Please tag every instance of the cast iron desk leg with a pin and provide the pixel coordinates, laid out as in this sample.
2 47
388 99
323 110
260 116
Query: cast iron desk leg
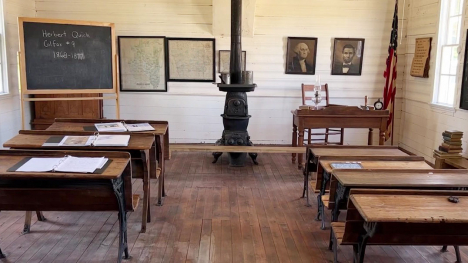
2 255
340 196
119 191
360 248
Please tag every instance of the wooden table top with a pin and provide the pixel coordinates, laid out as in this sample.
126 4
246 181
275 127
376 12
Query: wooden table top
382 164
343 111
358 151
9 158
402 178
411 208
35 141
159 129
460 163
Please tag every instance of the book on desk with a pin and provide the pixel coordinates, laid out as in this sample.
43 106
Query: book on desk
121 127
67 164
93 140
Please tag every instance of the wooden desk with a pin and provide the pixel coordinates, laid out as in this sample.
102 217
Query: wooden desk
315 152
455 163
157 157
342 181
402 217
384 162
337 117
139 147
54 191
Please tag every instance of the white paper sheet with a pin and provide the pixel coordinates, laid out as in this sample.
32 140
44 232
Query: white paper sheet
39 165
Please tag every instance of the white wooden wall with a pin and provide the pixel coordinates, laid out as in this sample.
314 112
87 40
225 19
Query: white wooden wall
10 118
194 109
423 124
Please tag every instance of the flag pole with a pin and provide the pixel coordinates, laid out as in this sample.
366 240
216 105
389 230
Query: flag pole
393 117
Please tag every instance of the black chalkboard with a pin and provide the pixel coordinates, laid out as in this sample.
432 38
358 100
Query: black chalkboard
464 88
67 56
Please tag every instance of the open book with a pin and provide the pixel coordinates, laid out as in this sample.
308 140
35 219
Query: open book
94 140
68 164
123 127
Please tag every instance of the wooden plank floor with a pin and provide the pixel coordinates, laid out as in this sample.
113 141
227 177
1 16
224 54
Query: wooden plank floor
213 213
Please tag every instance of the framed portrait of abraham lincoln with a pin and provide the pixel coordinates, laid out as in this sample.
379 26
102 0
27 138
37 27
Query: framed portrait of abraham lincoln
348 54
301 55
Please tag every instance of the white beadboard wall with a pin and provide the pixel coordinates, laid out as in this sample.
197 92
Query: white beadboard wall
422 123
10 117
193 109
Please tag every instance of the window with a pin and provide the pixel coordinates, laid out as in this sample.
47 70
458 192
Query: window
447 52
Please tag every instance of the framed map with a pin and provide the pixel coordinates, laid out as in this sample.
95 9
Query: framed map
142 64
191 59
225 61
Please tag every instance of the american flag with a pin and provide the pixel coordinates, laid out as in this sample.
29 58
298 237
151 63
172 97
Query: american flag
390 74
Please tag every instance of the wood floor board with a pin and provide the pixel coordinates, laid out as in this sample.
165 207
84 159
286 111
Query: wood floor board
212 213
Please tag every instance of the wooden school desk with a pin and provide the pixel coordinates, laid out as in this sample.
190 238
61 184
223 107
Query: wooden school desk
337 117
139 147
342 181
109 190
315 152
161 134
385 162
401 218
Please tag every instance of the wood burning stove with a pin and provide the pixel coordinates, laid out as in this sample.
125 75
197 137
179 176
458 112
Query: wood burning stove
236 111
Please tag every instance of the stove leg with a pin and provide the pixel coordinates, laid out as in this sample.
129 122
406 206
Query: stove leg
254 157
216 156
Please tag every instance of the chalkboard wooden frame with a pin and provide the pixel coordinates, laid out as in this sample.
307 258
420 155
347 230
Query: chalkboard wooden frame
168 68
22 57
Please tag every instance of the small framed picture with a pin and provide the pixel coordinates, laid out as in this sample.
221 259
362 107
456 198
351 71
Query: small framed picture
191 59
348 54
142 62
225 61
301 55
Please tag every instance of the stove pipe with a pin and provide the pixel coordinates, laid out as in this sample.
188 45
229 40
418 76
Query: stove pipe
236 42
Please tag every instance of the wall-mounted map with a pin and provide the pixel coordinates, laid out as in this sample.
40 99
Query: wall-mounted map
142 64
191 59
225 61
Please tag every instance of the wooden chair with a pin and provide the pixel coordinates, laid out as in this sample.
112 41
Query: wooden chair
328 131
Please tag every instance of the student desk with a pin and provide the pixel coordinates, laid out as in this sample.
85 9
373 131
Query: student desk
315 152
139 147
157 158
405 217
54 191
385 162
342 181
337 117
449 163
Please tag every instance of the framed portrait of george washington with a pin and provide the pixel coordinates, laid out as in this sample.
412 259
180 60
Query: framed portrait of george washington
301 55
348 54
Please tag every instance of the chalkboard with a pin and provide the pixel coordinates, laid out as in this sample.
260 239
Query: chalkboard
61 56
464 88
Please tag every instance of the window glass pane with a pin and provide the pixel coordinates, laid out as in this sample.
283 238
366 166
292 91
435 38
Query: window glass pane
446 59
443 89
451 91
454 61
453 30
455 7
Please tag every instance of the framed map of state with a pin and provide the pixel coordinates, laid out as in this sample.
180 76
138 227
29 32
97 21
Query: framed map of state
142 64
191 59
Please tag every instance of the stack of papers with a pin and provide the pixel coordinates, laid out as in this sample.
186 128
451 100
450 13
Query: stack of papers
111 140
123 127
67 164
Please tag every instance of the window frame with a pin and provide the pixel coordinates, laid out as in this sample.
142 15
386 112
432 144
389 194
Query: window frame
443 33
4 88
